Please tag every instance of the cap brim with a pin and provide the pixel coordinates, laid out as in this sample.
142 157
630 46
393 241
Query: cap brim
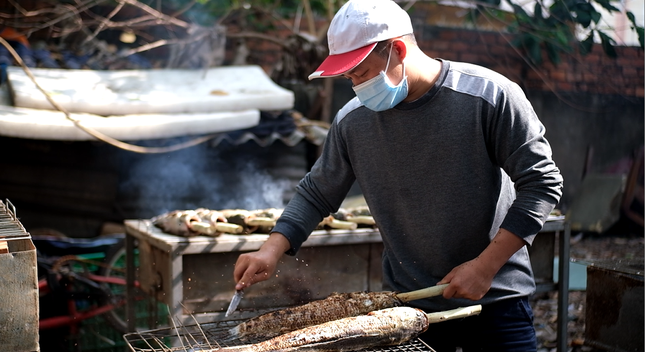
336 65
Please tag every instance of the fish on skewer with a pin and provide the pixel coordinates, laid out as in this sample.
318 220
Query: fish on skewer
358 215
202 221
177 222
386 327
190 223
334 307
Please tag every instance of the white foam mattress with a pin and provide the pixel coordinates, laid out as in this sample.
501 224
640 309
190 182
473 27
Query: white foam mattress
162 91
52 125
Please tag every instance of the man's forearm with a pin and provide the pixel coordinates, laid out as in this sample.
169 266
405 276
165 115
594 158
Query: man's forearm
500 249
276 243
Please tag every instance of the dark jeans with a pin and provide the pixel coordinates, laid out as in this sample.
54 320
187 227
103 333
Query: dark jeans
505 326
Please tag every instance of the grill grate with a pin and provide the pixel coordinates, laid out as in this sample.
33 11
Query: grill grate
211 336
10 227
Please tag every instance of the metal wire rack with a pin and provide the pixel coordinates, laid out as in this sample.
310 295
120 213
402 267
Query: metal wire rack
10 226
212 336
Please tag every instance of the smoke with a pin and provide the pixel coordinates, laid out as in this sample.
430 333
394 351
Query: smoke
257 189
200 177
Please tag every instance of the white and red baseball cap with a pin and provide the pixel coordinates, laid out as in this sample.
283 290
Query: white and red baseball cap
356 29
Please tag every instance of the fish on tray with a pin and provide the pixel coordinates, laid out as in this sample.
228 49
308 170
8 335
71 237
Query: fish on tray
385 327
333 307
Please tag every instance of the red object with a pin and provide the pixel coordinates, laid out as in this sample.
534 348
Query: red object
9 33
338 64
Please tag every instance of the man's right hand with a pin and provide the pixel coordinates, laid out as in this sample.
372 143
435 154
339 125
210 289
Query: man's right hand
254 267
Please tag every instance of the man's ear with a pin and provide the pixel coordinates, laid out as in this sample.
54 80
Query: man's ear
400 49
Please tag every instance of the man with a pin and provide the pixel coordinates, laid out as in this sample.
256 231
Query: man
454 167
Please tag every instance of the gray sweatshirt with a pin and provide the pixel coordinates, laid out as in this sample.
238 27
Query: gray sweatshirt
440 175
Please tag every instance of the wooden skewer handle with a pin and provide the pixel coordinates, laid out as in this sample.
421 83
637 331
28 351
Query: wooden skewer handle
422 293
205 228
457 313
260 222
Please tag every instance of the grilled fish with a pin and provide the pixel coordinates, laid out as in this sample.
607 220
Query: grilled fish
386 327
177 222
335 306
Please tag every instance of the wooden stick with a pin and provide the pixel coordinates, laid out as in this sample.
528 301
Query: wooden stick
260 222
422 293
361 219
205 228
4 247
457 313
339 224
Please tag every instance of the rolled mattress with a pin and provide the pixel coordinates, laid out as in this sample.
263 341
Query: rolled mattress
53 125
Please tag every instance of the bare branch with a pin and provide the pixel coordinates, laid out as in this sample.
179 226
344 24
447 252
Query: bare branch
71 11
163 42
186 8
162 17
256 35
118 8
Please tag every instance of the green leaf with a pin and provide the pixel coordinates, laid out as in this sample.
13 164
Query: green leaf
641 35
561 37
537 11
520 14
583 18
595 16
533 48
607 45
560 11
492 2
586 46
570 3
635 27
516 41
584 14
607 5
553 53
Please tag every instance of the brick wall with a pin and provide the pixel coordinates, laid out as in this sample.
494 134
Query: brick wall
595 73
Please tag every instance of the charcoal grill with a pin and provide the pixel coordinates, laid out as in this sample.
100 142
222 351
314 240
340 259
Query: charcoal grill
204 337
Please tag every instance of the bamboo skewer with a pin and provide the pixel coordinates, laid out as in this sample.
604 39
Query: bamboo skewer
456 313
205 228
422 293
362 219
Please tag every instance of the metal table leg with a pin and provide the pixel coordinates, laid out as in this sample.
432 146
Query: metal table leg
130 278
563 288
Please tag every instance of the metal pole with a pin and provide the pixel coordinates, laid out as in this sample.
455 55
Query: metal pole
563 288
130 278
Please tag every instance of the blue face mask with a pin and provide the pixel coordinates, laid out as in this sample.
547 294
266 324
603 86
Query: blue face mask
379 93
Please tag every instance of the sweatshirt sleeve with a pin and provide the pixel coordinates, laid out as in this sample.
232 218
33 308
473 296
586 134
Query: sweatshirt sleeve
523 152
319 193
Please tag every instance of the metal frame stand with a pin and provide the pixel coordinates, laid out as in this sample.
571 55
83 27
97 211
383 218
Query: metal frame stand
563 287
